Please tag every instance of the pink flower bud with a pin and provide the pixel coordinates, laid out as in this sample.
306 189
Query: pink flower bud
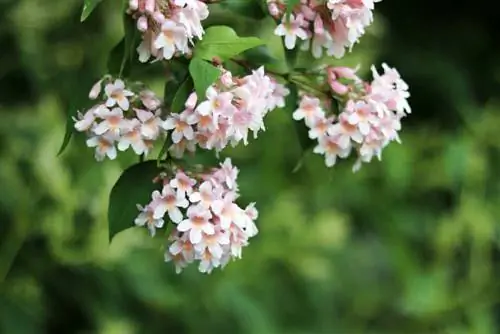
133 5
159 17
150 6
95 91
308 12
273 9
345 72
149 100
339 88
142 23
191 101
318 25
227 79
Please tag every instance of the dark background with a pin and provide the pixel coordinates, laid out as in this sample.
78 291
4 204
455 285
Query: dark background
407 245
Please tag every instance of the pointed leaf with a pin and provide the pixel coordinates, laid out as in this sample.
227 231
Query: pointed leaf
204 75
224 43
182 95
88 8
259 55
247 8
134 186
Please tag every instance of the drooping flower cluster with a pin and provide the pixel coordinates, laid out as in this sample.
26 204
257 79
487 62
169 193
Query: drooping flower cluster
168 27
121 119
369 119
209 226
333 25
233 107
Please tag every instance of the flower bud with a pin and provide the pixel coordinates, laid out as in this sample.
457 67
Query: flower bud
339 88
150 6
95 91
142 23
191 101
133 5
159 17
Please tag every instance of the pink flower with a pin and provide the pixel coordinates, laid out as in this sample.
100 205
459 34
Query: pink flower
172 38
168 201
132 137
104 147
329 146
213 243
181 124
84 122
112 123
216 103
149 100
226 210
146 218
150 123
290 27
205 195
183 183
309 109
117 94
197 223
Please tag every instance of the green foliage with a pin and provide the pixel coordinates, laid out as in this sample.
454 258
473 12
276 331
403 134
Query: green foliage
88 8
247 8
204 75
259 55
134 186
223 42
407 245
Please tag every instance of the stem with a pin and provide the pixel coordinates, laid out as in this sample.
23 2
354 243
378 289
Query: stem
247 66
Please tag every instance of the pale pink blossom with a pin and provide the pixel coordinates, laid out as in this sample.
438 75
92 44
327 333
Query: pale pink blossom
290 27
104 147
197 223
149 123
146 218
169 201
117 95
181 126
182 183
113 122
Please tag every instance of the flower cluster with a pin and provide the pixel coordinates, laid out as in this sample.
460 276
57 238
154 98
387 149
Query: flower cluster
209 226
369 119
233 107
122 119
333 25
168 27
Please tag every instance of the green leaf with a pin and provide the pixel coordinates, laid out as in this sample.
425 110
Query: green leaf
182 95
204 75
134 186
88 8
224 43
122 57
290 4
259 55
291 104
77 100
247 8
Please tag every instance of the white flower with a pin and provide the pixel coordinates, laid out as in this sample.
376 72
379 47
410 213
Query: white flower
181 124
104 147
291 28
146 217
168 201
197 223
112 123
172 38
117 94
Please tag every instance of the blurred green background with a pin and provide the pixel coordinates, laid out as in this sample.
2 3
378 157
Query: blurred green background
407 245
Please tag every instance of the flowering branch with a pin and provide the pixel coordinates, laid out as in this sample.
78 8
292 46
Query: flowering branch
206 107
